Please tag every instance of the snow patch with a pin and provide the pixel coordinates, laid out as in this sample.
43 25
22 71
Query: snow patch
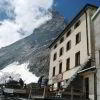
17 71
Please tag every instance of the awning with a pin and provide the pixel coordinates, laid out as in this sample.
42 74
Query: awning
75 73
87 69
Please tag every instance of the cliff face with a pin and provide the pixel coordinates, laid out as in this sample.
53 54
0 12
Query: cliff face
34 48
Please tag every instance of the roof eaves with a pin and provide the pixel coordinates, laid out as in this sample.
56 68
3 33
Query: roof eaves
72 22
96 13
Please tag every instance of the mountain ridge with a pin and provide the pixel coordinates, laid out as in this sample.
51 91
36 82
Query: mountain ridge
34 48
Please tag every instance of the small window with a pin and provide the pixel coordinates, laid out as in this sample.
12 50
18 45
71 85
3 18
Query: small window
55 57
53 71
68 46
78 37
59 85
60 68
62 39
68 64
77 24
77 59
55 46
99 56
61 51
68 33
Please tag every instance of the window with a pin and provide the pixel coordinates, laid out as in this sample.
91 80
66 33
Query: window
99 56
62 39
68 33
78 38
68 46
87 87
55 46
61 51
55 57
59 85
60 68
68 64
77 59
77 24
53 71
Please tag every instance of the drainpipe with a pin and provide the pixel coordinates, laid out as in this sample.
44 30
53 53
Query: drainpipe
87 34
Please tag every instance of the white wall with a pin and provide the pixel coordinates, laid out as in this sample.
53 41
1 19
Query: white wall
82 47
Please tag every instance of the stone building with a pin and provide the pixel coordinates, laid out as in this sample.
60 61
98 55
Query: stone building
96 31
72 58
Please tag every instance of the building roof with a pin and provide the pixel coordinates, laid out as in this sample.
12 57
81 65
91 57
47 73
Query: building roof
72 22
96 13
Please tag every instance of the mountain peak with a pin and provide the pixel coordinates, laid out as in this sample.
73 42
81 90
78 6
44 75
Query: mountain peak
34 48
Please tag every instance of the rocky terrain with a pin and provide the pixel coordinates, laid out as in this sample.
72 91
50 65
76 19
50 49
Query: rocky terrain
34 48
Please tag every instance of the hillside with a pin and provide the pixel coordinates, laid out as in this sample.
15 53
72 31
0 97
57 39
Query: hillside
34 48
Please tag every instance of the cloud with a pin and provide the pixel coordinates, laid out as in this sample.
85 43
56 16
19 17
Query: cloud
23 17
8 33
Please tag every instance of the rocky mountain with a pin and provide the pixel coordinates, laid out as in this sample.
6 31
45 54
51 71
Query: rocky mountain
34 48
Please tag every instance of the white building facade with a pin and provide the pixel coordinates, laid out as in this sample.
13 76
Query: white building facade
71 51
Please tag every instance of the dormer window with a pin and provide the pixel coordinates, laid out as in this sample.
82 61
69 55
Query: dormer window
77 24
55 46
68 33
62 39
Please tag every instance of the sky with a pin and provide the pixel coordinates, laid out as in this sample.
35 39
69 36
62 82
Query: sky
19 18
69 8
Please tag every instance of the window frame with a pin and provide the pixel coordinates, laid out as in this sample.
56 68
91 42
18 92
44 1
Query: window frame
55 46
61 40
61 51
78 38
54 70
68 64
59 85
55 56
68 45
60 67
77 58
68 33
99 56
77 24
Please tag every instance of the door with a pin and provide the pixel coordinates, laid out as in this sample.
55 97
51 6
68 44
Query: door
87 88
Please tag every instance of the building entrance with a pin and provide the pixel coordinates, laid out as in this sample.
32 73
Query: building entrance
87 88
